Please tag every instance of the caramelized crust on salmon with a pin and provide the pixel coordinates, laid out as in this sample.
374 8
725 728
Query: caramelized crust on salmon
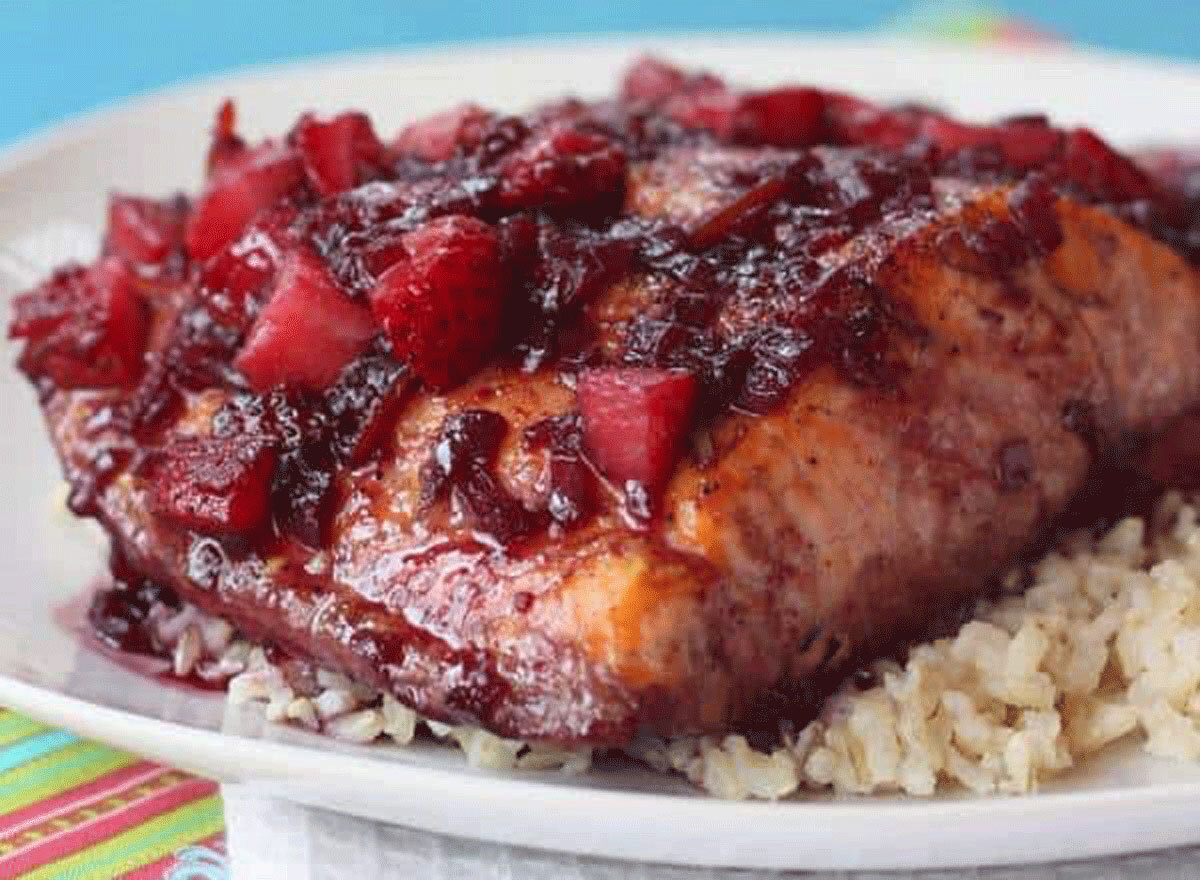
654 415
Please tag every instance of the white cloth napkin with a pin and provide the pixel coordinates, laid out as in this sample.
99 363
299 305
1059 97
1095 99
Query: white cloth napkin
274 840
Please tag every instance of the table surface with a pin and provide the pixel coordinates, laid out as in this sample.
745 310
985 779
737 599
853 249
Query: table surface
60 58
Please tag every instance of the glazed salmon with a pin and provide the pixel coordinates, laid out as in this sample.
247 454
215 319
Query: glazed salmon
970 359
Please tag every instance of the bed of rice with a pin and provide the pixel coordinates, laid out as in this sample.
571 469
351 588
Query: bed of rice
1105 644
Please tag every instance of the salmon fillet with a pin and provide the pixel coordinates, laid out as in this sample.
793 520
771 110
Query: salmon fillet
868 502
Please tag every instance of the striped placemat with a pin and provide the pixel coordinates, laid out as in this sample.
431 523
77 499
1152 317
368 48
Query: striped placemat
71 809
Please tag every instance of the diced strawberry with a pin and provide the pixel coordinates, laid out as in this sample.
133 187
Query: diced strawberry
1099 170
144 230
855 121
952 136
1021 144
383 250
561 166
656 81
1178 168
213 485
86 327
440 136
697 100
233 283
441 307
339 153
713 110
634 420
247 265
307 332
791 116
652 80
39 312
226 148
237 193
1029 144
785 117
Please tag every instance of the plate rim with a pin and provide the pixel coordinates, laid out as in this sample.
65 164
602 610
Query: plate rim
272 758
1032 816
49 134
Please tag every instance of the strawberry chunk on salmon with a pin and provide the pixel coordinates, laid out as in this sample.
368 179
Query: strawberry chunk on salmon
237 192
145 231
307 332
440 305
86 327
213 485
339 153
634 420
440 136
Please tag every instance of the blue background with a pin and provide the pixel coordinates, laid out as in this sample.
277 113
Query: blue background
57 58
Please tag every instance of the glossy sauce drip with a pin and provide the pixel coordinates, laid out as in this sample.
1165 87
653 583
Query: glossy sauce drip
120 620
574 489
119 616
460 469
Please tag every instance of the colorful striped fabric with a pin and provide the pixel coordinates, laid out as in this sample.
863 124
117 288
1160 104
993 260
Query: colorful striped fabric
967 22
76 810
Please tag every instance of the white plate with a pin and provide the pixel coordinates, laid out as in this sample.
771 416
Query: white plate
1117 804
